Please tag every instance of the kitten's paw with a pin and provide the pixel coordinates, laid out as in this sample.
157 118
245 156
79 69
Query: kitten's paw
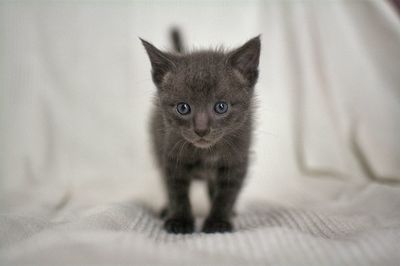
179 225
217 226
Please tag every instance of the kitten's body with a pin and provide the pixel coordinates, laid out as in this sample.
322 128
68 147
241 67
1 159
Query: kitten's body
203 143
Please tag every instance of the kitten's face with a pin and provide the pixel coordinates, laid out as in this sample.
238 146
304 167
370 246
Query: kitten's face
207 95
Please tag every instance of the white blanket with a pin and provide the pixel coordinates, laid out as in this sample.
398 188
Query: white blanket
77 181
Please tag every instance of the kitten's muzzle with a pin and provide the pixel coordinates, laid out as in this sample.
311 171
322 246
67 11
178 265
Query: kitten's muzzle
201 132
203 139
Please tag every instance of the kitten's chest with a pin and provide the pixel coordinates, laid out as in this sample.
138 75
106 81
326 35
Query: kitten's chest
205 167
211 160
208 161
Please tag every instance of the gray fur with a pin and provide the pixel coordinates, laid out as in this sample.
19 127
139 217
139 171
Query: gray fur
201 79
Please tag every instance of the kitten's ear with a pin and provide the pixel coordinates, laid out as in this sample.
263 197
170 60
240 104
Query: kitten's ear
246 58
161 62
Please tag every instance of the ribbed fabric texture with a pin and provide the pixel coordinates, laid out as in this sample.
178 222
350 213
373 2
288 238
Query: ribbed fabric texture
129 234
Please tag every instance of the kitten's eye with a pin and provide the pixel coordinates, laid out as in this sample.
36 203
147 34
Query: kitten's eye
183 108
221 107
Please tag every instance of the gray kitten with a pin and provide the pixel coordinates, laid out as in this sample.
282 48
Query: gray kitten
201 127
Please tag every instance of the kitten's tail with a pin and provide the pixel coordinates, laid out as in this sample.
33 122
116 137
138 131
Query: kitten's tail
176 39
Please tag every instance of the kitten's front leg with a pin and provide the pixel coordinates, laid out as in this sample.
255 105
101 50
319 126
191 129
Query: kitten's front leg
179 219
227 187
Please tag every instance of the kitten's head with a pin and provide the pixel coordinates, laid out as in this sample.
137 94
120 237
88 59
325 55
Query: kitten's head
205 95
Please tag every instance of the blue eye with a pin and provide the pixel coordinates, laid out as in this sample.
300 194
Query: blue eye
221 107
183 108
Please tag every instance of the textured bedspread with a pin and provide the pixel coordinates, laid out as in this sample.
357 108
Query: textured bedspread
365 232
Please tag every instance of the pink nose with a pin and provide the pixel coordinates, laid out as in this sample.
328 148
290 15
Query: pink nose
202 132
201 124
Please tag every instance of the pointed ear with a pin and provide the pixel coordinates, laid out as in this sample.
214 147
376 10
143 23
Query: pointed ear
246 58
161 62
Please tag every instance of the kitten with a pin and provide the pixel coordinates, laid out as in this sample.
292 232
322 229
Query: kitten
201 127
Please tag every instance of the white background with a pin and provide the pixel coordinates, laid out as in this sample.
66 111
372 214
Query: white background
76 95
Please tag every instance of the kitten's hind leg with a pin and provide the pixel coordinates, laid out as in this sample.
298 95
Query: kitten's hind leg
163 212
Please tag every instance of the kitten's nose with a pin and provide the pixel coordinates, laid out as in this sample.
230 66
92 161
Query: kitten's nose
202 132
201 126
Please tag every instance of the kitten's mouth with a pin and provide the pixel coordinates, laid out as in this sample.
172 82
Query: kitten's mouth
202 143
